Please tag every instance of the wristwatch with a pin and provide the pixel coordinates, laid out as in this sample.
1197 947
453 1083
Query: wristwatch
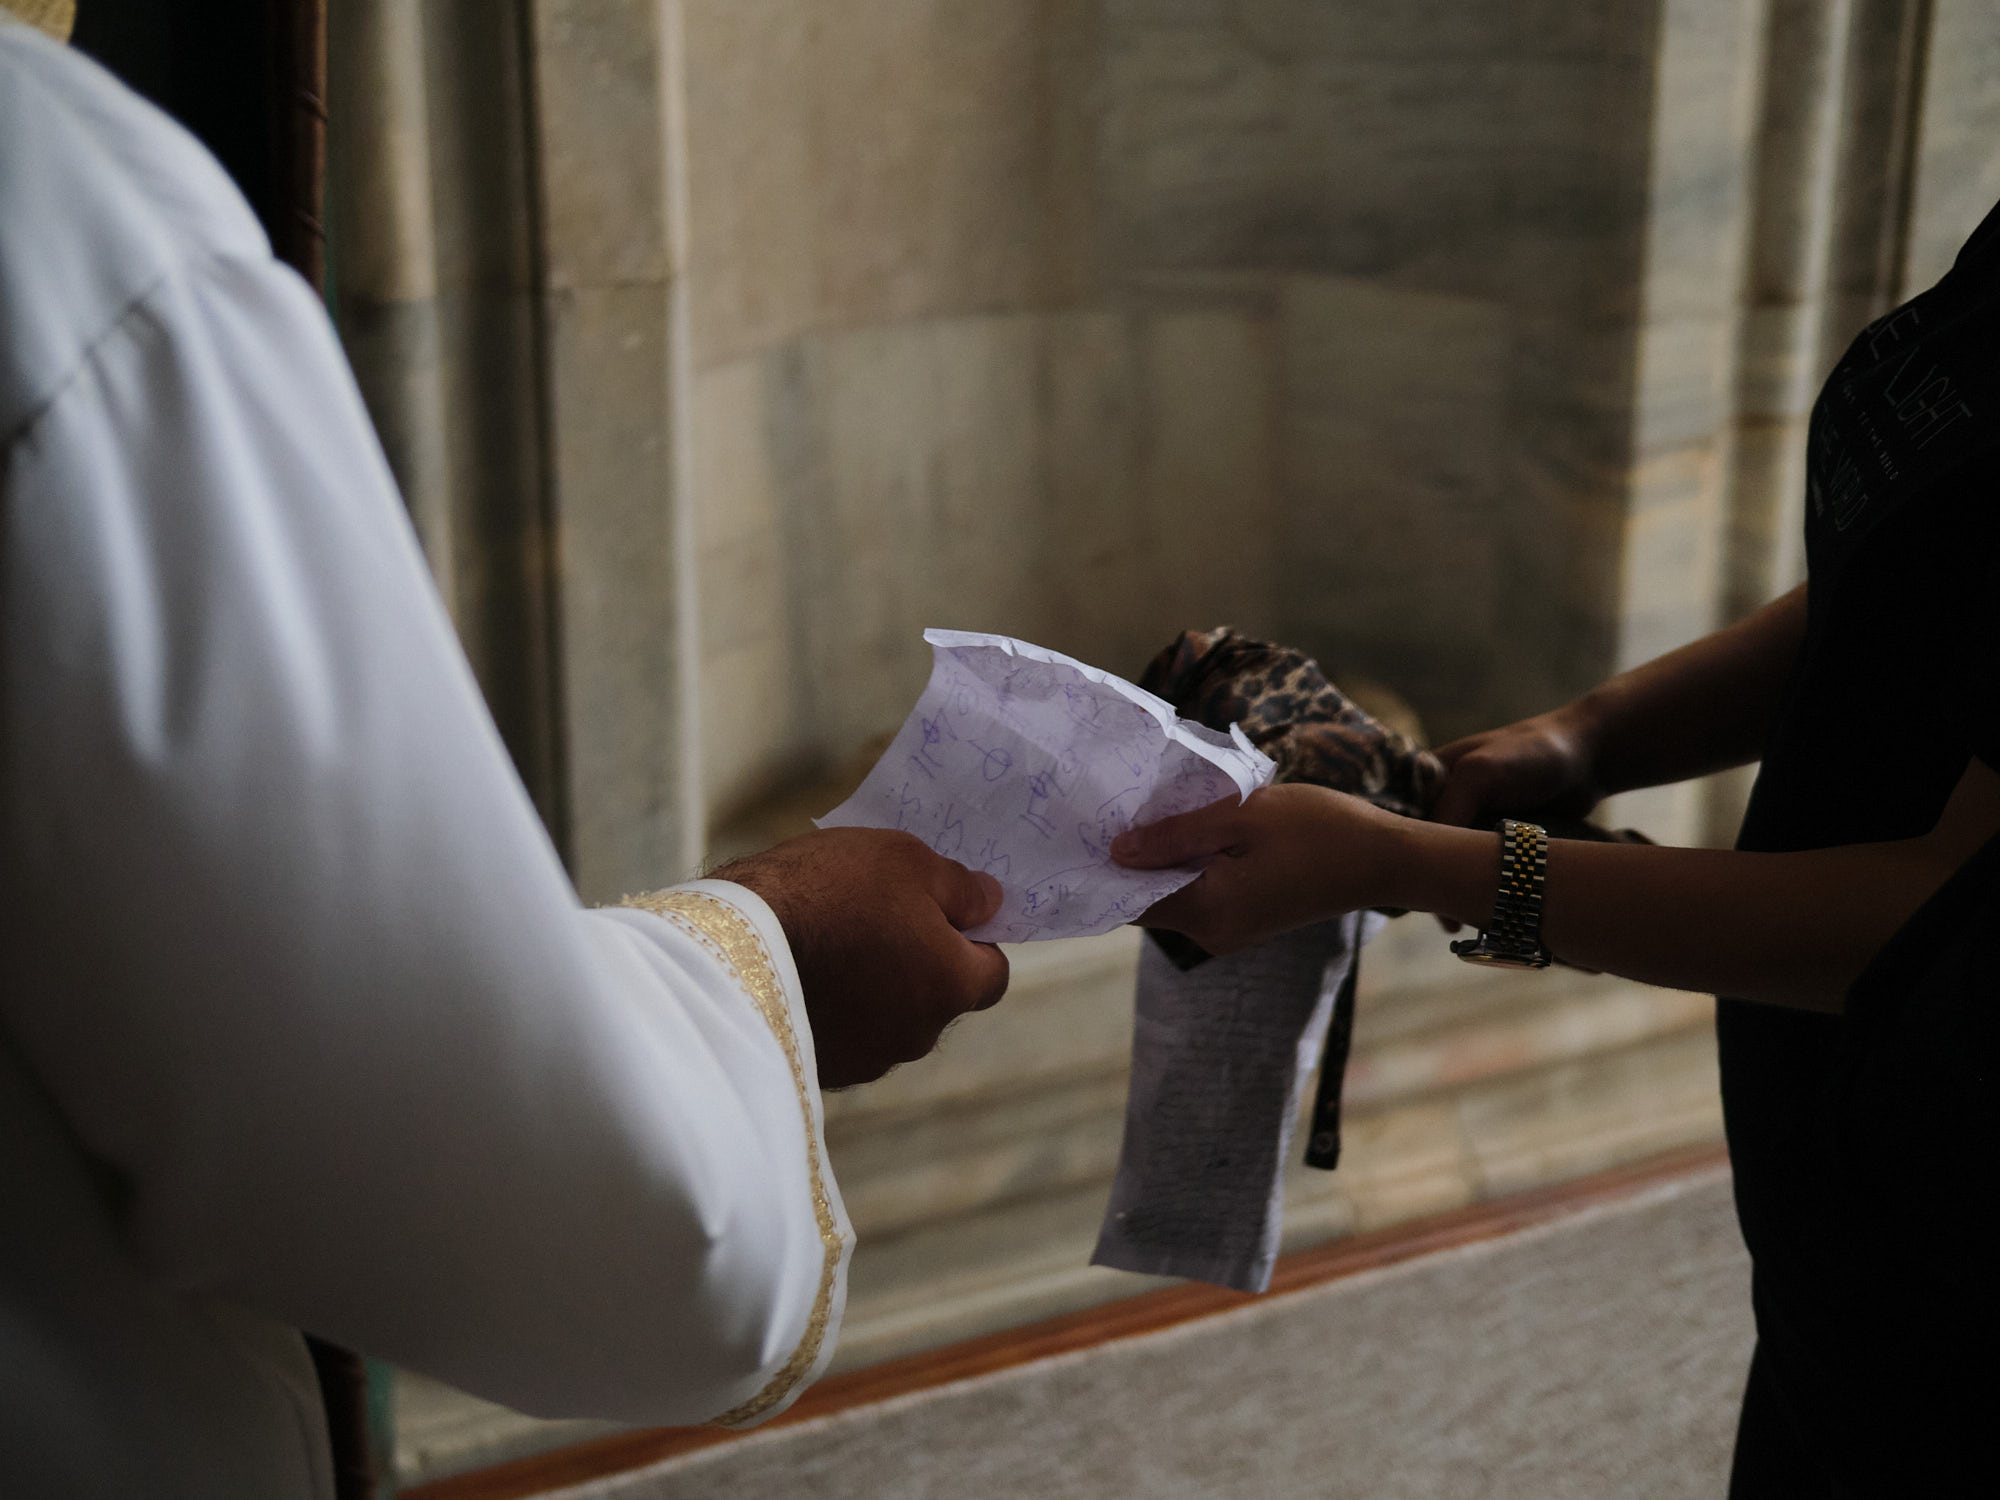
1514 939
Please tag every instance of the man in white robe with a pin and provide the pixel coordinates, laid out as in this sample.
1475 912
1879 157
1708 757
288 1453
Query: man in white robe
301 1025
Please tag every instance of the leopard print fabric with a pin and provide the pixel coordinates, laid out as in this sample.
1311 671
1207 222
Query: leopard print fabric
1291 712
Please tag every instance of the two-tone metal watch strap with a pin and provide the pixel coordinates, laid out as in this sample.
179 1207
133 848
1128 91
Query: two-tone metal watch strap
1513 940
1517 908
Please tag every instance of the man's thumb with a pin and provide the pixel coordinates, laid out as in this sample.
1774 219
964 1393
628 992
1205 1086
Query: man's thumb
966 897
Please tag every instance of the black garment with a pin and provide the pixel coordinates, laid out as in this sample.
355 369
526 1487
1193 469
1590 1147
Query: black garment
1865 1286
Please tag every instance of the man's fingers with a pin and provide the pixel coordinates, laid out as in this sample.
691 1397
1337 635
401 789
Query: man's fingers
1178 841
1464 794
986 973
966 897
1457 750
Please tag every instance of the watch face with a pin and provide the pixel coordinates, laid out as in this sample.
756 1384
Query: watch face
1477 951
1488 959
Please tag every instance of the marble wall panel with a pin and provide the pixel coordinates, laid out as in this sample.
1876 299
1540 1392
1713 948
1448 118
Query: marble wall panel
1611 1109
1092 481
754 737
1093 437
1297 137
609 161
1958 165
1402 1162
881 162
906 471
1394 449
1067 1017
1210 527
605 148
623 574
752 173
1670 555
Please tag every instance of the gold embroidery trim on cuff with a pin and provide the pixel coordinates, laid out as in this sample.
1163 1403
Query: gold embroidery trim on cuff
724 932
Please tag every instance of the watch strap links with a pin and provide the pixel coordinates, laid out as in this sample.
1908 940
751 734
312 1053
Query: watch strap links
1513 939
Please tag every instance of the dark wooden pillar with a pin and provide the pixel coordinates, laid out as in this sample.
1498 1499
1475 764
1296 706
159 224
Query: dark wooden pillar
249 78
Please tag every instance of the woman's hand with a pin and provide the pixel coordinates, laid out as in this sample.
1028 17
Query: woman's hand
1281 858
1544 764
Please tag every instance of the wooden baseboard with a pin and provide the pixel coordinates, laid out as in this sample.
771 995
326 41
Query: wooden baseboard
1128 1318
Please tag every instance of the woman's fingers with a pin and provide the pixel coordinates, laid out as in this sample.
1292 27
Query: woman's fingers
1180 840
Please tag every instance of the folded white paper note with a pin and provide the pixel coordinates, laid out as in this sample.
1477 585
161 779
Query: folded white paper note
1025 764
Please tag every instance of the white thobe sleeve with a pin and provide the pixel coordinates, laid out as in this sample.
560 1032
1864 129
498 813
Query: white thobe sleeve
291 955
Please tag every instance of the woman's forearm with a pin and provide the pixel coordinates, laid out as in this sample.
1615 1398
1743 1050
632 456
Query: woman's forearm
1792 929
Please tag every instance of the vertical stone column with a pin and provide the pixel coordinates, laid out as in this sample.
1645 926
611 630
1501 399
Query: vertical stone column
433 278
1784 296
383 214
1671 531
609 174
1957 169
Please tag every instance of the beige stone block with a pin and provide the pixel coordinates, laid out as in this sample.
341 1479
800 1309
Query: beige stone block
1389 1015
1210 524
600 81
1411 953
1305 137
1764 546
1686 383
1577 1117
873 165
1193 140
931 178
1067 1014
1094 550
1318 1208
1405 1161
1160 457
1676 814
623 572
752 740
1575 1020
1670 574
745 601
896 1177
752 201
1405 166
1393 448
735 487
1777 370
1958 171
441 1431
929 513
1708 88
752 732
975 1275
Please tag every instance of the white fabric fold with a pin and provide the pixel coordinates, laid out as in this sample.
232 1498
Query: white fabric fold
301 1023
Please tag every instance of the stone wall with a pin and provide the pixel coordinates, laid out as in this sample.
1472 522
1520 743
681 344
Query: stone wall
1416 336
721 345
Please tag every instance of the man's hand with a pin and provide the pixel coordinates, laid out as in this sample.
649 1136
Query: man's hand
1282 857
874 920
